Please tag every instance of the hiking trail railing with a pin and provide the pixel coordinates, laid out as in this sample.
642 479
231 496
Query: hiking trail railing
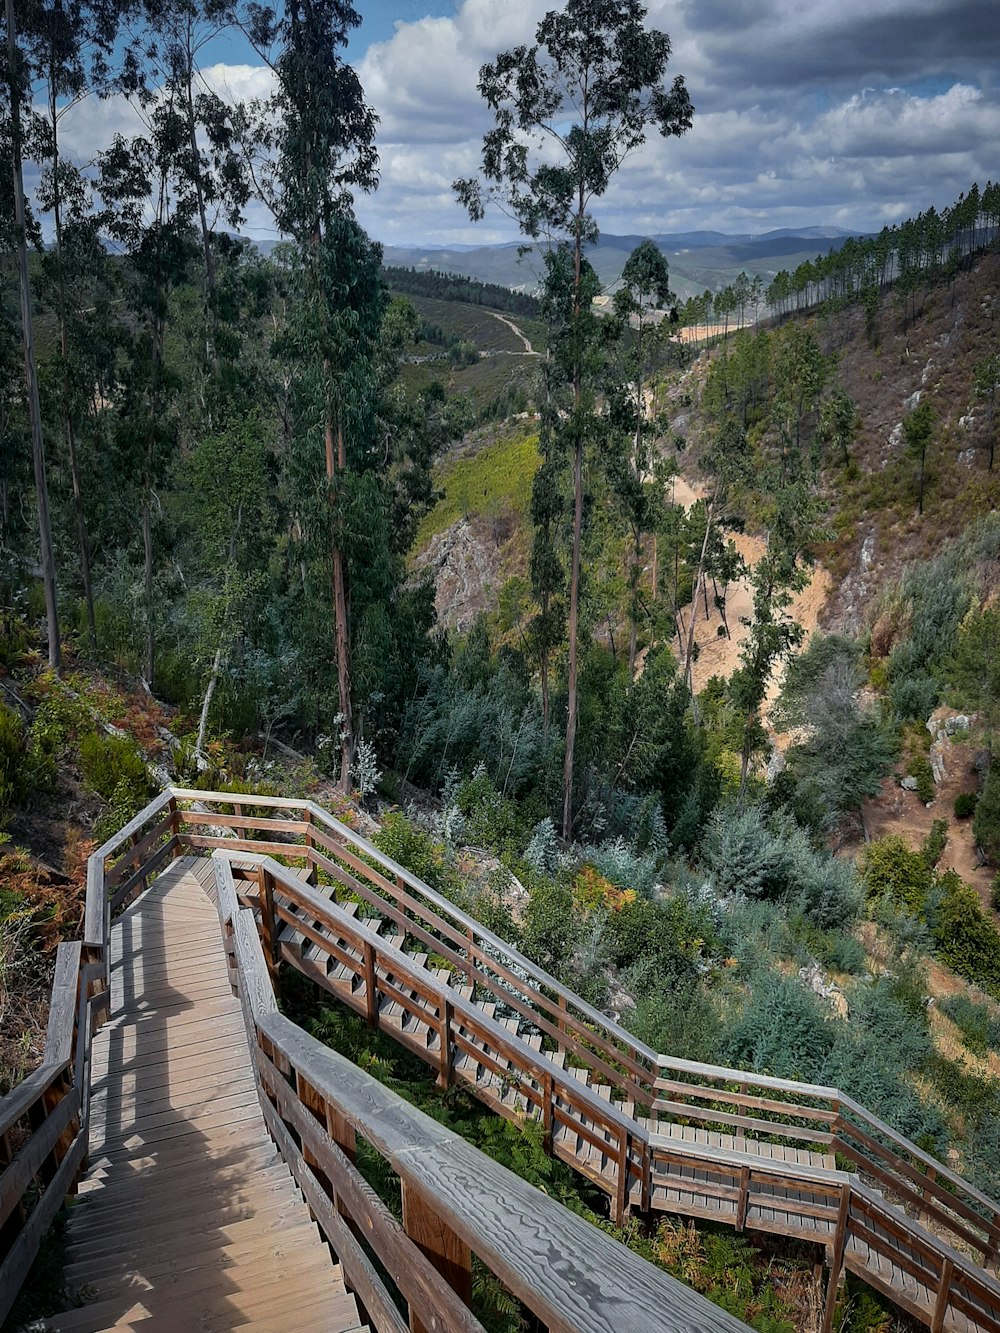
627 1102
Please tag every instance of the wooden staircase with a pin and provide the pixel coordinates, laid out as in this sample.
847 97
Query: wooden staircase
182 1179
188 1216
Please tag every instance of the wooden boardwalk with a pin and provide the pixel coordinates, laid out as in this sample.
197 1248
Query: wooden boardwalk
188 1217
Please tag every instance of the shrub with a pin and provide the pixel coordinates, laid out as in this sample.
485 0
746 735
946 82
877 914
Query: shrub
965 804
966 938
979 1025
491 820
782 1031
412 847
986 822
932 847
893 872
113 762
13 779
919 767
551 929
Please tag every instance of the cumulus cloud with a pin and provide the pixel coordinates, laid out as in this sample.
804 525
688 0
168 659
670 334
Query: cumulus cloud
846 112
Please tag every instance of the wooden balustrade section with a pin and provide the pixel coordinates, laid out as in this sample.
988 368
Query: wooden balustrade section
44 1121
456 1201
652 1124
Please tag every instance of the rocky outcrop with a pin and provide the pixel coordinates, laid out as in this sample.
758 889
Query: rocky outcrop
464 562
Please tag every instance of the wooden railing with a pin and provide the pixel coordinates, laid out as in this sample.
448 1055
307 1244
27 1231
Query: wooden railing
44 1121
456 1202
943 1219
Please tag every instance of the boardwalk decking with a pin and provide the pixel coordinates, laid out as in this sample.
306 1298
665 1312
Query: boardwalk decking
188 1218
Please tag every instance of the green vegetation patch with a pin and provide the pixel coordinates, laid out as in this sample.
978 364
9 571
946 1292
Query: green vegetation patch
496 480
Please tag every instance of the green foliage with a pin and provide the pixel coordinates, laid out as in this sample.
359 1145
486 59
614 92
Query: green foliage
13 783
491 820
113 767
661 939
932 847
995 893
978 1023
965 804
772 858
986 821
919 766
551 930
494 483
782 1030
891 871
412 847
966 938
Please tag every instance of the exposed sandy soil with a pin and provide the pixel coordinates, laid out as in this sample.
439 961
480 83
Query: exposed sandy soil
897 811
718 655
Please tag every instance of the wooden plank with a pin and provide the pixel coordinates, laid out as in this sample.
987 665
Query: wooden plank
445 1250
62 1004
28 1159
154 862
211 818
30 1091
415 1277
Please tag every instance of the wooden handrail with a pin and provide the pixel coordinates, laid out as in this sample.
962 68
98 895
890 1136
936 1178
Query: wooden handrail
40 1162
451 1190
744 1178
458 925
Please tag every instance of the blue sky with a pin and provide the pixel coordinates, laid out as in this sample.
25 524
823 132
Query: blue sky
848 113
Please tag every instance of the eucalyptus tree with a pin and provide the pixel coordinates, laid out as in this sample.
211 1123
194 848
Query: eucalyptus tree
322 148
568 110
18 82
150 209
644 292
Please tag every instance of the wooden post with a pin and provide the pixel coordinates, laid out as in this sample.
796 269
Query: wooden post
740 1131
470 959
925 1216
837 1258
560 1021
10 1228
371 991
548 1109
620 1203
444 1057
944 1290
741 1209
435 1239
241 833
310 846
646 1184
268 933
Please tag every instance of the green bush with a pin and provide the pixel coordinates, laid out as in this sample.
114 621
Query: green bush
966 938
412 847
893 872
986 823
13 777
491 820
113 767
919 767
979 1025
932 847
552 930
965 804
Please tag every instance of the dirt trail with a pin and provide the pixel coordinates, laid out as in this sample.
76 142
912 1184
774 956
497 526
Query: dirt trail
528 349
718 655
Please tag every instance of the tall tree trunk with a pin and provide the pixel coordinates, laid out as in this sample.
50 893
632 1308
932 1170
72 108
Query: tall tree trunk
633 636
74 469
336 463
30 368
689 654
574 582
206 235
149 655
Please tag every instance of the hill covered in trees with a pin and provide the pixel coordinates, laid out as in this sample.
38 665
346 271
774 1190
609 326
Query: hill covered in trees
234 483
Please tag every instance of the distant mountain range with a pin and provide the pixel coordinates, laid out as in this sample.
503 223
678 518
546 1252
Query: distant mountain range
698 259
